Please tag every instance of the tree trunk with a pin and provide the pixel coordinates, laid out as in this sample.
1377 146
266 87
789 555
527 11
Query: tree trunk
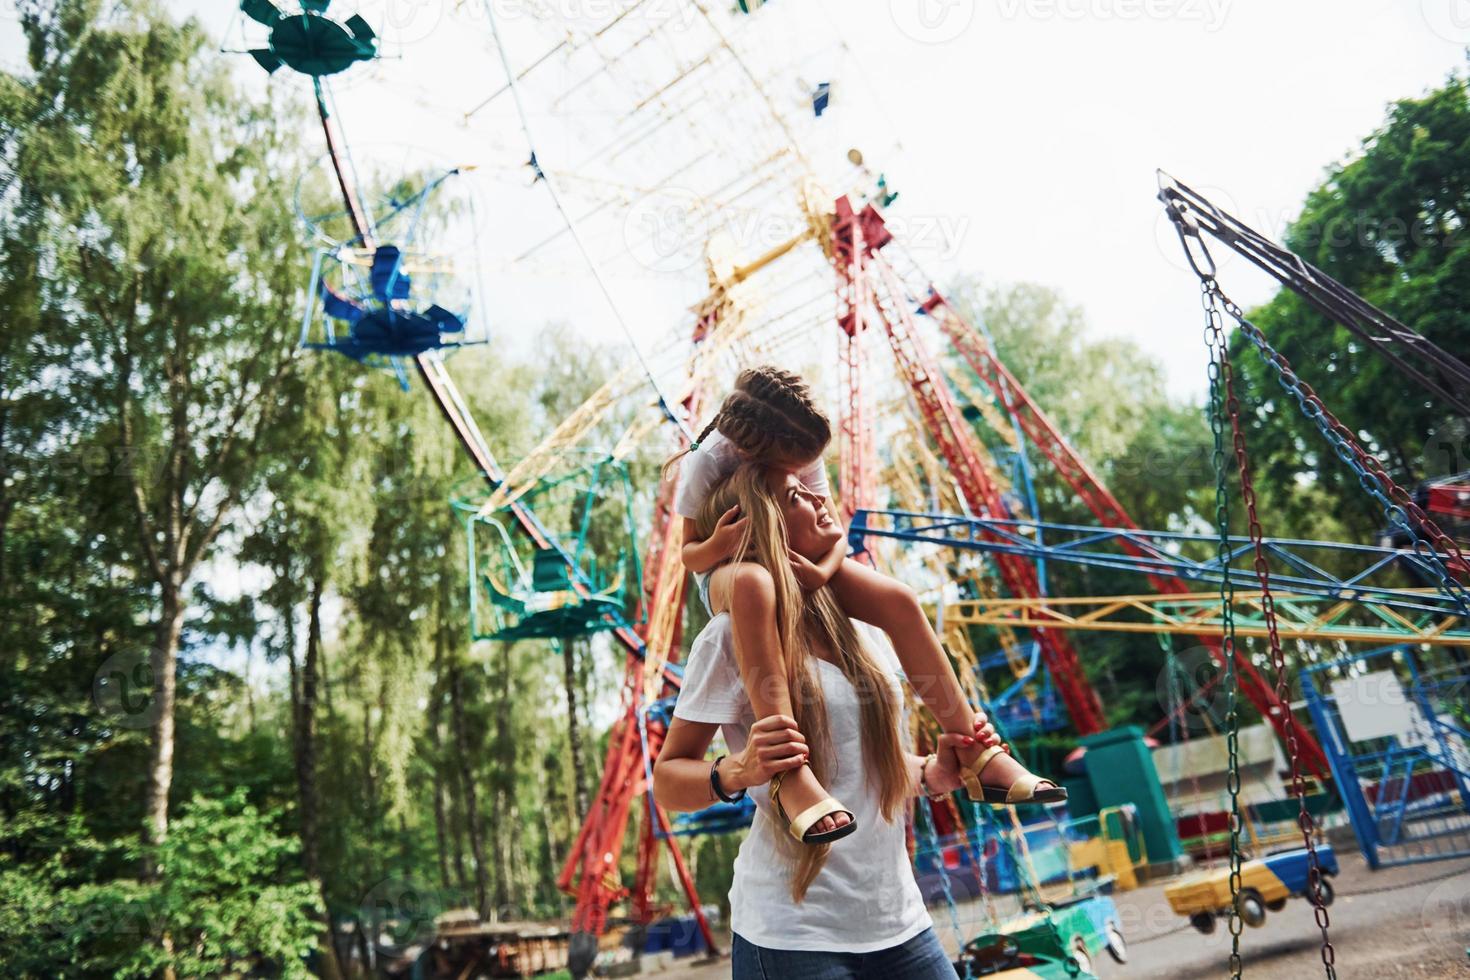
457 828
568 653
304 714
467 778
163 660
441 829
504 760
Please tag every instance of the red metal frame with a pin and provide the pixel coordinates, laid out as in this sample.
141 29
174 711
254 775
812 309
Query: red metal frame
855 459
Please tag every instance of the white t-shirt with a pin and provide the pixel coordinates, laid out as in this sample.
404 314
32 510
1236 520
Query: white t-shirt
716 459
865 897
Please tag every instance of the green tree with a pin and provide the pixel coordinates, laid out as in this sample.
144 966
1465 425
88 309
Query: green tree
1389 223
228 894
146 187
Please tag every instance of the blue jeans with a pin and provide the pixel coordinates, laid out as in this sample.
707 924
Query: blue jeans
921 958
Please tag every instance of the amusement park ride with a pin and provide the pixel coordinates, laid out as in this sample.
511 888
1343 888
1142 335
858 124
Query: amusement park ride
376 298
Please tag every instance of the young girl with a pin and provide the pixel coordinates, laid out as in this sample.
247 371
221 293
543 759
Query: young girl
769 418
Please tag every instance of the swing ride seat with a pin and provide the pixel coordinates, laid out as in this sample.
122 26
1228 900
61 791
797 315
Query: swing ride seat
551 608
382 324
1274 878
1088 924
310 42
560 589
995 955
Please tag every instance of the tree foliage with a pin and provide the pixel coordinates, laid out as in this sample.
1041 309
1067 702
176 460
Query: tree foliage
1389 223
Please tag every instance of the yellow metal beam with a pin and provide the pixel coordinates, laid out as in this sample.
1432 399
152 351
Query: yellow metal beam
1299 617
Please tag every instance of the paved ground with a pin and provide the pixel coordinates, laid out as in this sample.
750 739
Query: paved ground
1410 921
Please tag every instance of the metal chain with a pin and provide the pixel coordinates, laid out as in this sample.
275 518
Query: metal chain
1215 340
982 865
983 814
1179 731
926 807
1440 554
1278 658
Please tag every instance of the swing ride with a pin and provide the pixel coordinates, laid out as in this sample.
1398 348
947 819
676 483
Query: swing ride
554 541
519 591
382 305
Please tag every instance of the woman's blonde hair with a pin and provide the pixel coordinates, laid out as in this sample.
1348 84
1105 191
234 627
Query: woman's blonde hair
802 622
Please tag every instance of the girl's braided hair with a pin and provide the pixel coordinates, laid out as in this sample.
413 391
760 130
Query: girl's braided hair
769 416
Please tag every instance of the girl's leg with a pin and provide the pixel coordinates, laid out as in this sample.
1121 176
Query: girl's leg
748 592
893 607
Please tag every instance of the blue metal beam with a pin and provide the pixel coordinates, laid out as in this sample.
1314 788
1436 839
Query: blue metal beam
1384 576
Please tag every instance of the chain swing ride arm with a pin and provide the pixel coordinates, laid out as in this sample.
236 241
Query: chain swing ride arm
1192 215
1411 353
1430 543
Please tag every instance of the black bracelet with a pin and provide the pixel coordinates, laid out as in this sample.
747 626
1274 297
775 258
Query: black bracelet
714 781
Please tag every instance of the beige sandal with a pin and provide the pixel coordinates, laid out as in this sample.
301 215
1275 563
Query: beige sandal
1026 789
800 826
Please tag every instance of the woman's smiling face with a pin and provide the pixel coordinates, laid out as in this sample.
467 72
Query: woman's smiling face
810 530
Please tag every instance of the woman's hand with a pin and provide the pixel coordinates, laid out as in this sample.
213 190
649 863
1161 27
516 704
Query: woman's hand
775 746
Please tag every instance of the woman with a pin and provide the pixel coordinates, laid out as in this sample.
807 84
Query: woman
847 909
